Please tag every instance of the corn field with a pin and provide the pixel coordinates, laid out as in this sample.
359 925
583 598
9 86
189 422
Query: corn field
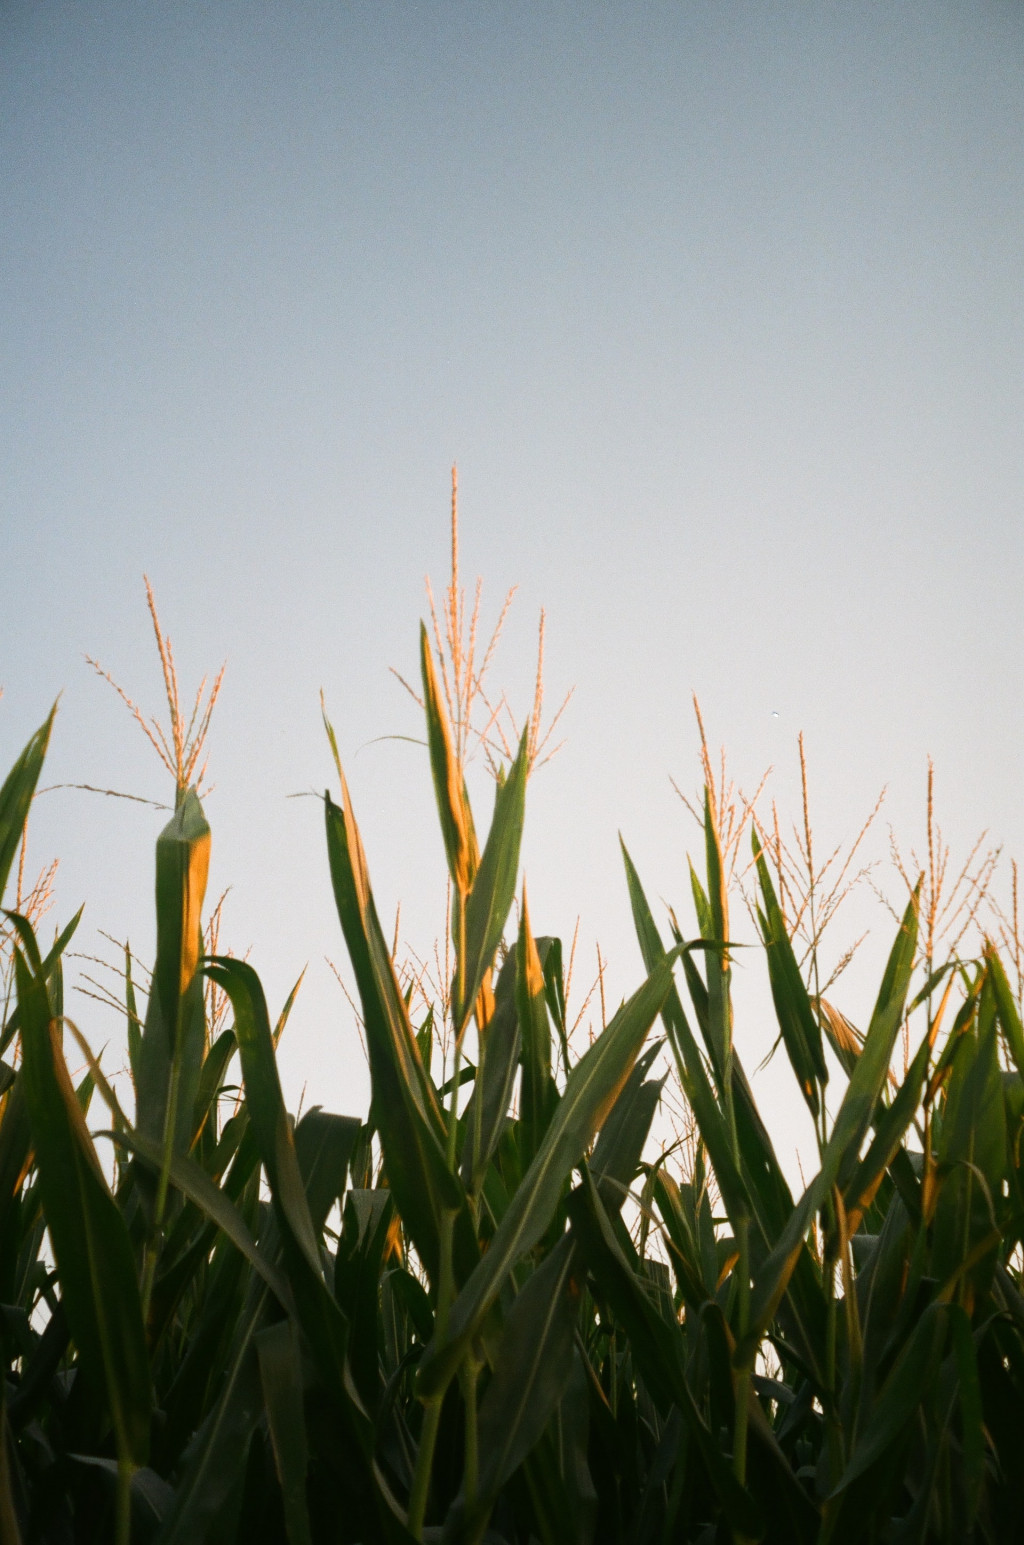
487 1310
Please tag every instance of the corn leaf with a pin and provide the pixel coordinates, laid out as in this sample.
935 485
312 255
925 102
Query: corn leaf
590 1092
16 795
281 1378
800 1029
856 1112
405 1108
656 1346
487 1110
1006 1008
537 1096
194 1183
460 843
494 885
533 1367
900 1396
47 969
211 1459
174 1034
94 1256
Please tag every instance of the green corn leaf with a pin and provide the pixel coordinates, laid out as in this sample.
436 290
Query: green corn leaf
194 1183
210 1463
693 1075
324 1144
1006 1007
150 1493
891 1125
405 1107
170 1054
842 1152
457 828
318 1312
16 795
47 969
797 1022
550 952
285 1014
590 1092
657 1348
281 1378
368 1234
858 1107
533 1366
132 1016
265 1103
97 1079
95 1262
487 1110
537 1097
617 1152
971 1149
701 905
755 1188
15 1148
494 885
904 1390
972 1415
211 1079
718 971
696 1266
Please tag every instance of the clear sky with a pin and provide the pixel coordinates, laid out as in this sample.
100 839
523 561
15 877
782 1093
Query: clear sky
717 307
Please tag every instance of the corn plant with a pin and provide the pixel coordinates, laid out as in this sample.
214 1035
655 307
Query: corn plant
487 1310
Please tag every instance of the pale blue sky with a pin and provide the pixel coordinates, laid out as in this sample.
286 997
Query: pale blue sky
718 308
